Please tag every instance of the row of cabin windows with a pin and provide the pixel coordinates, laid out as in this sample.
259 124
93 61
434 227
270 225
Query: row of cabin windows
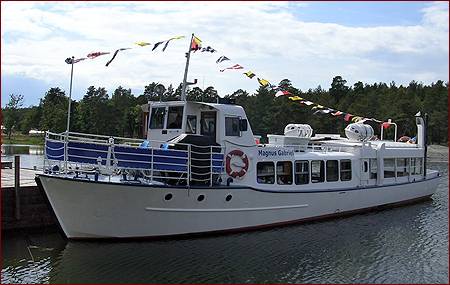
315 171
397 167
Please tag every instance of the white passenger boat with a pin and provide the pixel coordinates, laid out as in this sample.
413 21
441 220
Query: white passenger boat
201 170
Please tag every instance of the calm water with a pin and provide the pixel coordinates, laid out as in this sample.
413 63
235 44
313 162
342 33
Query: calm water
408 244
30 155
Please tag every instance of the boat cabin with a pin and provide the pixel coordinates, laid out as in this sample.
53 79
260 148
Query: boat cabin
221 122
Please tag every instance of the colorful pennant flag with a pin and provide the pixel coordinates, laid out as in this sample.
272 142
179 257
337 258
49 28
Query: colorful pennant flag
347 117
209 49
222 58
263 82
142 44
295 98
309 103
93 55
115 53
236 66
281 93
71 60
250 74
156 45
195 45
174 38
337 113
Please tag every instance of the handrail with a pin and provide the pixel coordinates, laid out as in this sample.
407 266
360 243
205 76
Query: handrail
110 156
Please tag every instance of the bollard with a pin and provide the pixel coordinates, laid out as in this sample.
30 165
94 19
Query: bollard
17 185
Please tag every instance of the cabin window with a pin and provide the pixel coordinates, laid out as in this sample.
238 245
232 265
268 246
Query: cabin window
373 168
389 167
191 125
284 172
301 172
402 167
346 170
175 117
232 126
266 172
157 118
332 170
317 171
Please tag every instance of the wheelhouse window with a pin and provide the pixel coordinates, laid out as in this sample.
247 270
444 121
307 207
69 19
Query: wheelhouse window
157 118
301 172
266 173
346 170
317 171
332 170
284 172
175 117
191 125
232 126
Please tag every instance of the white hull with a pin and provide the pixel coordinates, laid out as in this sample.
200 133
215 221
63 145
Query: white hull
117 210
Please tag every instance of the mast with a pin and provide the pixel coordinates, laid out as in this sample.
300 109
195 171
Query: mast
188 56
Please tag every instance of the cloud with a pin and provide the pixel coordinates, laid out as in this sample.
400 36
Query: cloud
264 37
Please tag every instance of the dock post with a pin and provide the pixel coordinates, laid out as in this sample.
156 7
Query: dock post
17 186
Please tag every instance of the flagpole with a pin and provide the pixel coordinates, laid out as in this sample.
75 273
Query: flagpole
68 118
188 56
70 96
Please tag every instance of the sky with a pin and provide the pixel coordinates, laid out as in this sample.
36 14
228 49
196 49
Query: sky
308 43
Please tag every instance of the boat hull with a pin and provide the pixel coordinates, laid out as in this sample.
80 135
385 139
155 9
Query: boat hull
90 210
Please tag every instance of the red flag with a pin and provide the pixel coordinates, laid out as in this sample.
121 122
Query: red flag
195 45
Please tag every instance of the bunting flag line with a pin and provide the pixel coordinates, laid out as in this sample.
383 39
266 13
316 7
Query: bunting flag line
325 110
174 38
236 66
70 60
115 53
93 55
209 49
250 74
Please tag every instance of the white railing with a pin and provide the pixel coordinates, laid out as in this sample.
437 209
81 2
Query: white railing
131 160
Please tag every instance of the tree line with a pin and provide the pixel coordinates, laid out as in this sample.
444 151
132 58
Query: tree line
120 113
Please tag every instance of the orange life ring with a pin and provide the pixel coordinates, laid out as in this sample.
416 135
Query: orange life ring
244 158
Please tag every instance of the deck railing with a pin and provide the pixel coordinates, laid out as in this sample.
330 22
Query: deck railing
132 159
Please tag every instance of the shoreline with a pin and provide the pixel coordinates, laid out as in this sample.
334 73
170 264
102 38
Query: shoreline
437 153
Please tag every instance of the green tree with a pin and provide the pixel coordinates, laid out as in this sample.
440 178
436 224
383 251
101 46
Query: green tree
12 113
54 110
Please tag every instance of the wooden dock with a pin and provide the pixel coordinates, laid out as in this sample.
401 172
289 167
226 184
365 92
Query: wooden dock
23 206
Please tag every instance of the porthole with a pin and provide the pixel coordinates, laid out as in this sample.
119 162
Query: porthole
200 198
168 197
228 198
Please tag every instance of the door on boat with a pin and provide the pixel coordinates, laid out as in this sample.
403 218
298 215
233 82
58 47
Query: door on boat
209 124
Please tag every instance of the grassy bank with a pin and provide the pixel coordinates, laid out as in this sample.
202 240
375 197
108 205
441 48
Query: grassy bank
18 138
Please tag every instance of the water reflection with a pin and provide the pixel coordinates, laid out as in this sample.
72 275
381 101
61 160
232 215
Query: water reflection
30 155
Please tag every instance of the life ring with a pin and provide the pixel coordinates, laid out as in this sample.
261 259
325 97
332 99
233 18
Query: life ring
244 158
